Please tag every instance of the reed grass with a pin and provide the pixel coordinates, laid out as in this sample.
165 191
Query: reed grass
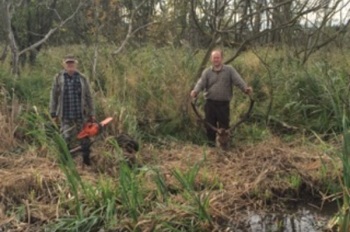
146 91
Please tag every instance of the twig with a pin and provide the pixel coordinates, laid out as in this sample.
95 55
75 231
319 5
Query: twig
51 31
28 213
131 32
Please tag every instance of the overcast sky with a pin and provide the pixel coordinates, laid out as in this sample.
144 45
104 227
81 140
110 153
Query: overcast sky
341 15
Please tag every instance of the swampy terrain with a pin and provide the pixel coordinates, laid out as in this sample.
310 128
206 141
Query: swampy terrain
287 168
271 185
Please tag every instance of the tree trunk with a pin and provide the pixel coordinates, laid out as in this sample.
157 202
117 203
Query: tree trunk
244 25
276 21
257 18
11 39
4 54
8 10
15 63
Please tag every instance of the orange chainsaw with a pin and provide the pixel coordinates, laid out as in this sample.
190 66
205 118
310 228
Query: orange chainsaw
91 129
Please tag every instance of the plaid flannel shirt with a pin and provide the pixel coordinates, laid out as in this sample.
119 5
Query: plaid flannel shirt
72 97
57 96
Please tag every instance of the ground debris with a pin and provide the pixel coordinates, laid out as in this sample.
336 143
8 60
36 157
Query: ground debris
266 175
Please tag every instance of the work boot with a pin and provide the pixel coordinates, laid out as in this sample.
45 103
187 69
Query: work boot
85 149
86 159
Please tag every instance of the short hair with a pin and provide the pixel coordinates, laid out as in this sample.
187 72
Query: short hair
218 50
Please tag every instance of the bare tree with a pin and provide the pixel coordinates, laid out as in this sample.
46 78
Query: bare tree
321 32
252 20
9 7
131 31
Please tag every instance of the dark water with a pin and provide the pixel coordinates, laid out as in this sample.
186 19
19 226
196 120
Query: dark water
302 220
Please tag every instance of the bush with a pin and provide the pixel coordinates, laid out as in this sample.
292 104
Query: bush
30 88
151 86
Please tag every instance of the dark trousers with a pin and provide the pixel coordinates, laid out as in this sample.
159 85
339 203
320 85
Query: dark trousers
70 130
217 113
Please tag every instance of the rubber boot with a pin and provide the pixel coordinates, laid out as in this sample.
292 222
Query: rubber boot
85 149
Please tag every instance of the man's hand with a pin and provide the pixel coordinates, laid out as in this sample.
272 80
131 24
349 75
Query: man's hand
248 90
54 118
193 94
92 118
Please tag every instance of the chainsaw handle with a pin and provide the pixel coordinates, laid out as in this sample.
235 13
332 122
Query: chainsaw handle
91 119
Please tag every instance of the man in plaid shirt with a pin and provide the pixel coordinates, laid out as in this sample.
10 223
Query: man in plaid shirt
71 103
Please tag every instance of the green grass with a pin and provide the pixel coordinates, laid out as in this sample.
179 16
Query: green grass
146 91
295 181
151 87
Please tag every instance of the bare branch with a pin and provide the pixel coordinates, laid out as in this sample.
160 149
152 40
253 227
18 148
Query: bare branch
51 31
290 23
248 16
37 44
195 19
127 37
316 45
241 48
214 41
131 32
54 10
19 3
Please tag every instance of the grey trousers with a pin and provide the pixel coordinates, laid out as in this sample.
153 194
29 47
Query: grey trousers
70 130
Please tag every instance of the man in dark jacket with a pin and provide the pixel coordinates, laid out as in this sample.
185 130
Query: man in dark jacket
71 102
217 82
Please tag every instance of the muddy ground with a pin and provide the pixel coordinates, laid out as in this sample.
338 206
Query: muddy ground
269 176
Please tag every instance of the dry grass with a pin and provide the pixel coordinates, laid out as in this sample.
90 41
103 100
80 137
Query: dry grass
246 178
10 110
244 169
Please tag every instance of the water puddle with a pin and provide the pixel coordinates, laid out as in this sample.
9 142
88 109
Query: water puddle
303 220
